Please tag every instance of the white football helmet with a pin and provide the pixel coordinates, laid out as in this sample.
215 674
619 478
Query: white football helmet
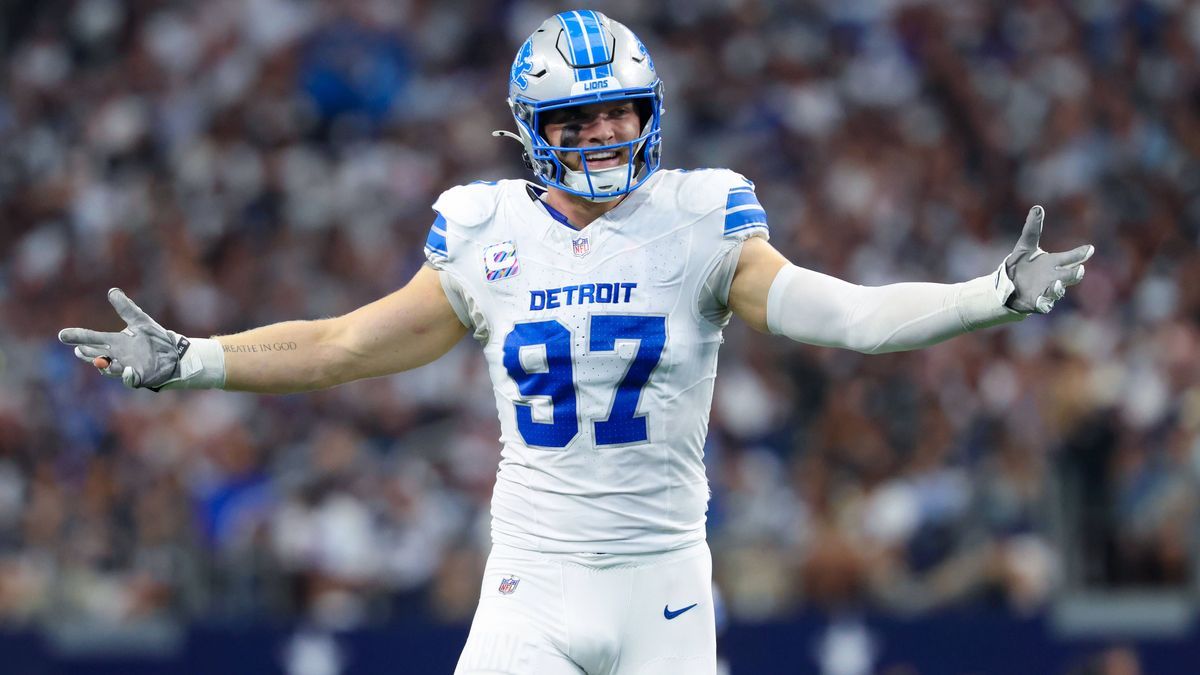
575 58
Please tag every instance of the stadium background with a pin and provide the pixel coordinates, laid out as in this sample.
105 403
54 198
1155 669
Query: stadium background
1021 500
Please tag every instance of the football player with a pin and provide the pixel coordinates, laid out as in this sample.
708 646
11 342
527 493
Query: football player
598 295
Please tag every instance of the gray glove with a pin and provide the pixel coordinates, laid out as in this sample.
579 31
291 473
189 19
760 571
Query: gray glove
1041 278
143 355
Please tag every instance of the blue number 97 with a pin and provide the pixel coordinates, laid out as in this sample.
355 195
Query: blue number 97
556 380
622 426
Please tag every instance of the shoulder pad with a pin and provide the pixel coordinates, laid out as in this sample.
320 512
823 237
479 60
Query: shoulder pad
470 205
459 210
703 191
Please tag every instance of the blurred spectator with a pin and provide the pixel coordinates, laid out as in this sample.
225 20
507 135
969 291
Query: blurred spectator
1112 661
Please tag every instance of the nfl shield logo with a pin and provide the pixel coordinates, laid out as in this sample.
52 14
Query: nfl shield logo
580 247
508 585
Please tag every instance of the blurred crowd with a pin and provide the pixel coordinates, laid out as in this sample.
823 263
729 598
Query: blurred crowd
237 162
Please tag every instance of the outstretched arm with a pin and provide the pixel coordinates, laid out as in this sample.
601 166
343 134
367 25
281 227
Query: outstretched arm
773 295
401 331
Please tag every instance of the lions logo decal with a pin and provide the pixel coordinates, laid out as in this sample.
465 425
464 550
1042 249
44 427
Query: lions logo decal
523 64
645 54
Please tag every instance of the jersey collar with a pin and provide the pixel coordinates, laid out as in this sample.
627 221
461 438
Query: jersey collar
535 193
618 213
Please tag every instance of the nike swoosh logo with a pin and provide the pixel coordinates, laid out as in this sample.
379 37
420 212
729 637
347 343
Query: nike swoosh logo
668 614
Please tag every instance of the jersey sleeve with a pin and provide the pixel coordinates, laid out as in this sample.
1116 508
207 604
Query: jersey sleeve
437 253
437 250
726 197
459 214
460 211
744 215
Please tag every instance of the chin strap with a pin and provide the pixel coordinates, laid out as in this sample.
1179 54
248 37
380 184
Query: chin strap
499 133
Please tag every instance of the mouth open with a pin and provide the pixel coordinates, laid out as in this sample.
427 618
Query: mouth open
603 159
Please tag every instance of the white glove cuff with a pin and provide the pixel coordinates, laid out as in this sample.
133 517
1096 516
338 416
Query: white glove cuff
202 366
982 301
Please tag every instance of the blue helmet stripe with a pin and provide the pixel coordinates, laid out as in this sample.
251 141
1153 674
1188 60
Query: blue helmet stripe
585 42
578 44
594 33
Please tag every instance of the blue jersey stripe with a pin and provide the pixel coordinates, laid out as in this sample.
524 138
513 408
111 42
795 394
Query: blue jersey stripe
739 198
438 244
437 236
751 226
556 214
742 210
741 219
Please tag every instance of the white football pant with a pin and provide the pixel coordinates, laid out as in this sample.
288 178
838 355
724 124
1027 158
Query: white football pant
580 614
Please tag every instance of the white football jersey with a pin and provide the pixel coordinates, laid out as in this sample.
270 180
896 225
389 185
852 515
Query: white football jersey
602 348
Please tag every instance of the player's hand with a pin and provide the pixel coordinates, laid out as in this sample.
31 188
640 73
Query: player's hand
143 355
1042 278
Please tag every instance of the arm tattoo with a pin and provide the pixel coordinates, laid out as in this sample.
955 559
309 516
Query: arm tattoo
261 347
